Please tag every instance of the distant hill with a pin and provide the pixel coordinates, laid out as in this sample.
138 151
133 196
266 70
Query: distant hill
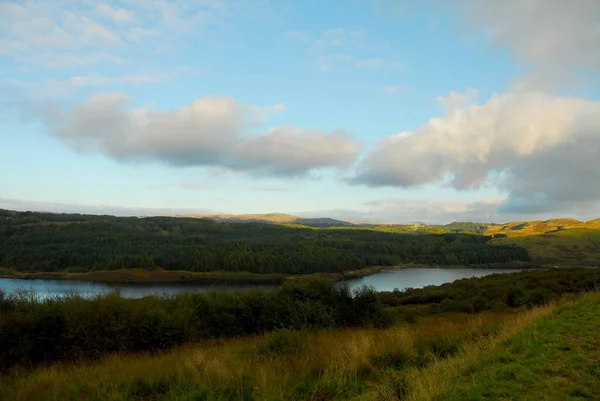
273 218
562 242
539 227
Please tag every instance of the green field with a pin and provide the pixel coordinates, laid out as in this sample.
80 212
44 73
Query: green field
556 358
572 247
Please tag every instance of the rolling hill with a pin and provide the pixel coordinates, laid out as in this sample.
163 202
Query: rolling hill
272 218
563 242
539 227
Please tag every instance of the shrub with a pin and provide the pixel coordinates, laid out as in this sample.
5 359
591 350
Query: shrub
37 331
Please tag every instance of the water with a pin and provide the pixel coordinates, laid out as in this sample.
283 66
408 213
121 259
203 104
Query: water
385 280
49 288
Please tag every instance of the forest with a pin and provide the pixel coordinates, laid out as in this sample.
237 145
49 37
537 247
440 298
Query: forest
49 242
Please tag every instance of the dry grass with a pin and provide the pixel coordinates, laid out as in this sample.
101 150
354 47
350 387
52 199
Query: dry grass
536 227
328 365
336 365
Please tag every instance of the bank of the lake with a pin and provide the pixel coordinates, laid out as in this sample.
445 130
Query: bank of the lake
137 283
158 275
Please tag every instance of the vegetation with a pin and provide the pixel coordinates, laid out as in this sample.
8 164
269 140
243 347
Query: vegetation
360 363
34 331
539 227
569 247
496 292
80 243
553 359
531 354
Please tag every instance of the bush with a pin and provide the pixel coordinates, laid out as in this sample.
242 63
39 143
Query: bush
36 331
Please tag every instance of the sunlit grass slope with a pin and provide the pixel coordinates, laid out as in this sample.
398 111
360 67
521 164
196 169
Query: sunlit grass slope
537 227
556 358
576 246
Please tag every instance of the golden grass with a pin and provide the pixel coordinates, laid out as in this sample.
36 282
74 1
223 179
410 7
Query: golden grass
332 357
536 227
571 247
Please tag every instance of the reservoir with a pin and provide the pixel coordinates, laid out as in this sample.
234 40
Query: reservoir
385 280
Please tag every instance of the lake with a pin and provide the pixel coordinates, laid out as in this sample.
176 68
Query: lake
47 288
385 280
388 279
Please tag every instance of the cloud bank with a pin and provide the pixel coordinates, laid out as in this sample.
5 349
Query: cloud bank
212 131
556 38
542 150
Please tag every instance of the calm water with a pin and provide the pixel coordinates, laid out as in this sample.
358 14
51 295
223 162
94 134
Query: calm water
385 280
46 288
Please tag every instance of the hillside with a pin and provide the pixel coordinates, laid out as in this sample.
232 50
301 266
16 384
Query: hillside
537 227
562 242
81 243
272 218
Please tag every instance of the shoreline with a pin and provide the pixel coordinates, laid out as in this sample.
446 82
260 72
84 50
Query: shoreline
161 276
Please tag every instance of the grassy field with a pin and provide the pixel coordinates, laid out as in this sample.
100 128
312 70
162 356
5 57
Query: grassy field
414 361
545 353
571 247
556 358
283 366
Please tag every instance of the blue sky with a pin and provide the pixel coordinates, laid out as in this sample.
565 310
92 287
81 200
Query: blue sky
367 110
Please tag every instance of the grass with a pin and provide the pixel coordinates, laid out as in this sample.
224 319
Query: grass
325 365
546 353
137 275
563 242
556 358
158 275
571 247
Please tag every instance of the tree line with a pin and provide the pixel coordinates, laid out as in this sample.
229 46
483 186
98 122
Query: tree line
57 242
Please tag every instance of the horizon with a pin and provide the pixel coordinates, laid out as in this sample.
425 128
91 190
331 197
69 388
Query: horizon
172 213
363 111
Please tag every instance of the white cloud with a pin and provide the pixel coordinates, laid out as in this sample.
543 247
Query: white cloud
343 45
392 89
555 37
33 30
542 150
370 63
557 40
269 189
116 14
414 210
60 207
212 131
55 88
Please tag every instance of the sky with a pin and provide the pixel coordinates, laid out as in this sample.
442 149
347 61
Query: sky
362 110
